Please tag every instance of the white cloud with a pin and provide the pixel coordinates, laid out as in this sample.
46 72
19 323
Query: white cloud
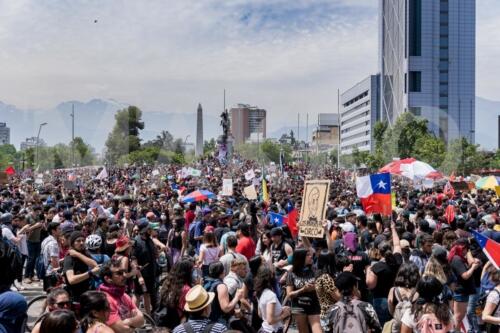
286 56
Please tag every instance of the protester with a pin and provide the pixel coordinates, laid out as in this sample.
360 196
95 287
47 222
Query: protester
94 312
124 317
59 321
198 305
57 299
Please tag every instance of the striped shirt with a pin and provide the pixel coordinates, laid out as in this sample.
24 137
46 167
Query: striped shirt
199 326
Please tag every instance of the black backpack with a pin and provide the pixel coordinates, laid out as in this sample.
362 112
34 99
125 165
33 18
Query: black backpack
11 262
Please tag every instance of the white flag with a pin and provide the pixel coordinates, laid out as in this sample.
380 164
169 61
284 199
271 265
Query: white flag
250 174
103 174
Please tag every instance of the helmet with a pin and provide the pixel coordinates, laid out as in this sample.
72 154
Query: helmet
5 218
93 242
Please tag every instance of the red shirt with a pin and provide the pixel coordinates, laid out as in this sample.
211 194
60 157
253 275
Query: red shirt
246 247
189 217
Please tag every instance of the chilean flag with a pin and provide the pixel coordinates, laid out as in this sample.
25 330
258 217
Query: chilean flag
490 248
277 220
375 193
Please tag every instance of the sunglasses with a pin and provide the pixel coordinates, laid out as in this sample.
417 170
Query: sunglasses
61 305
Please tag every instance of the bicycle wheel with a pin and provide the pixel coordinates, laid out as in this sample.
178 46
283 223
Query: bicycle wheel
36 308
149 324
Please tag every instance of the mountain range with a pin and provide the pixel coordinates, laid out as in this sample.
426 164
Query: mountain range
95 119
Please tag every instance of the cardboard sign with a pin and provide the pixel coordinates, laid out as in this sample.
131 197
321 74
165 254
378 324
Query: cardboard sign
497 190
313 209
250 192
227 187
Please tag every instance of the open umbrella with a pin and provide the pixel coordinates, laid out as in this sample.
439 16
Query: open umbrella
486 183
198 195
411 168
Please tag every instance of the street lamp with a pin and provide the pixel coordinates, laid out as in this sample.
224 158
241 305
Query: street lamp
38 141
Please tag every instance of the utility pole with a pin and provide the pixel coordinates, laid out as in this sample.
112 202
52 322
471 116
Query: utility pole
73 135
338 111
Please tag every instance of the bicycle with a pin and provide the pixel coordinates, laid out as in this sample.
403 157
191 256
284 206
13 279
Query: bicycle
36 311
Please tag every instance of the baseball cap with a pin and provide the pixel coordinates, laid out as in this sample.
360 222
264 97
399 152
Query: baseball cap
347 227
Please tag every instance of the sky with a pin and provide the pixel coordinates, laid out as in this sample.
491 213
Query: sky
287 56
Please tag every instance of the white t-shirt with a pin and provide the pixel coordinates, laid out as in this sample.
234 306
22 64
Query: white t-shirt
23 245
268 297
8 234
211 254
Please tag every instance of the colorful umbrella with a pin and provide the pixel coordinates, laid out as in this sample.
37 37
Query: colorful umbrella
411 168
198 195
487 183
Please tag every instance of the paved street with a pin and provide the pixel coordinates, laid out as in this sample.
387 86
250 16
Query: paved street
33 290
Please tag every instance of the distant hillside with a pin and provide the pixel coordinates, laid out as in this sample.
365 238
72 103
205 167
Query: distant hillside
95 119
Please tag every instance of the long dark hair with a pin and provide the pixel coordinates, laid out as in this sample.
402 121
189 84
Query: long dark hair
385 249
59 321
299 260
326 263
263 280
91 301
407 276
179 276
429 288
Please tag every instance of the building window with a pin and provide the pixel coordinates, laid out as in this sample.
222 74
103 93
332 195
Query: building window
415 14
416 111
415 81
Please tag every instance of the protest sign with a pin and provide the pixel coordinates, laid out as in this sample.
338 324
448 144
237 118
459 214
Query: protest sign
497 190
250 192
313 209
227 187
249 175
155 172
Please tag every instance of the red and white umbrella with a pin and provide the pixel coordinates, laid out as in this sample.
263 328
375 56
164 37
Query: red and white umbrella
411 168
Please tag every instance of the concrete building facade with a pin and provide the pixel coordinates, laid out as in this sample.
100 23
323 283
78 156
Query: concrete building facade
4 134
359 111
247 123
326 134
427 63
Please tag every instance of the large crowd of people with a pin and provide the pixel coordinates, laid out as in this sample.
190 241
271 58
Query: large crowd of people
112 251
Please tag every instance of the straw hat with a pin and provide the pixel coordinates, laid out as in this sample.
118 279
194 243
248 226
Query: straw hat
197 299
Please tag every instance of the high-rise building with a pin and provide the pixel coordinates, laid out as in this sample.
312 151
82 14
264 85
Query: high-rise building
359 111
427 63
199 131
4 134
248 123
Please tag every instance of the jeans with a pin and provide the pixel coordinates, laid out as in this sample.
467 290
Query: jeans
382 309
471 311
34 249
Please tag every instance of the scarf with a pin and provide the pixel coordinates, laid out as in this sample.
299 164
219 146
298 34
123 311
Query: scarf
114 291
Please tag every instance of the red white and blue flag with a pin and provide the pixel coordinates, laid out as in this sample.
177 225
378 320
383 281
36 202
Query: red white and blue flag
375 193
277 220
490 248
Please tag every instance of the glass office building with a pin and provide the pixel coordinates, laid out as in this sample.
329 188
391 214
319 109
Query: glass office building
427 63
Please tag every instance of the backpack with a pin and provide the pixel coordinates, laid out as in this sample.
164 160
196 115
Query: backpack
429 323
96 280
481 302
11 261
349 318
404 304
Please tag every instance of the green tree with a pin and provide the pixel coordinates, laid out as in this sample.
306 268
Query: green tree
430 149
209 146
360 157
462 157
163 140
124 138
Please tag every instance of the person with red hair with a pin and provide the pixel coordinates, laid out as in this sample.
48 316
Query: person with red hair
463 266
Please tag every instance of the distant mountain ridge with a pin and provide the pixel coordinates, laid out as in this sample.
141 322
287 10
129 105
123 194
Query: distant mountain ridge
95 119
